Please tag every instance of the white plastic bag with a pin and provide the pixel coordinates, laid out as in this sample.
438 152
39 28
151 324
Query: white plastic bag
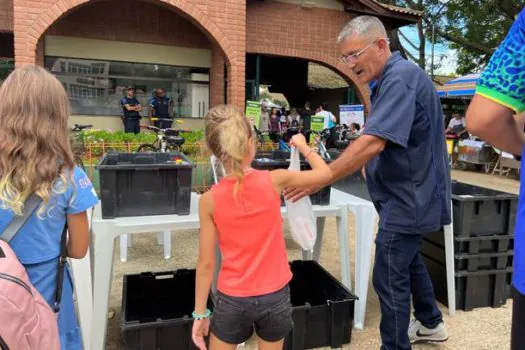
301 216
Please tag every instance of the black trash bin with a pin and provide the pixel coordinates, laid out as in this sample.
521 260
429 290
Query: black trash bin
272 160
482 211
142 184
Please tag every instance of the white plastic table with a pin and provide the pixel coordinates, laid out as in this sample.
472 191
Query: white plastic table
104 232
366 217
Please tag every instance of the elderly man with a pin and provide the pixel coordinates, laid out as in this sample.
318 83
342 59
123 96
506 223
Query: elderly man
403 147
499 95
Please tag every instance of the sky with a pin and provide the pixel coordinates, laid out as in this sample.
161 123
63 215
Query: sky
442 53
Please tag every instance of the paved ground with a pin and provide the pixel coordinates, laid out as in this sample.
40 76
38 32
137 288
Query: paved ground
480 329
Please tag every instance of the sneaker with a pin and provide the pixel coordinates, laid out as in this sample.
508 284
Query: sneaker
421 334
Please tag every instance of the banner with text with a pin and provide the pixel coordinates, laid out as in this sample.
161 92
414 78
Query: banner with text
349 114
253 112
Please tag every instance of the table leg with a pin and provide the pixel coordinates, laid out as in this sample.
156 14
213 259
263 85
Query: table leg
160 238
167 244
124 247
449 257
364 237
342 232
81 272
319 241
104 247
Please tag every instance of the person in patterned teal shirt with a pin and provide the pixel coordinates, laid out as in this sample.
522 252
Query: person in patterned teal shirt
500 96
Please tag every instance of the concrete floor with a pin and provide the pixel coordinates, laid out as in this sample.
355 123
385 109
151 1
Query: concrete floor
480 329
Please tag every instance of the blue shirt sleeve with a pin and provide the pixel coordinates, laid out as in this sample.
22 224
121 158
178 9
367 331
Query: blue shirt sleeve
392 112
81 193
123 101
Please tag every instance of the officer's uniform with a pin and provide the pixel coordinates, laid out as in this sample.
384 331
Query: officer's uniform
131 118
161 108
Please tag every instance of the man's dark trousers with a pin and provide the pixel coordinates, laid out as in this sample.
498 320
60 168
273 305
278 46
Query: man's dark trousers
399 272
132 125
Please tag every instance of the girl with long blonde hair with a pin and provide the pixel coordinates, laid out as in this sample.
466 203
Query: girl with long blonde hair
243 213
36 158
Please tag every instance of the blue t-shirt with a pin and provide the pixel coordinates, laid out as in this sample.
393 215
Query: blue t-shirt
409 181
503 81
161 106
39 239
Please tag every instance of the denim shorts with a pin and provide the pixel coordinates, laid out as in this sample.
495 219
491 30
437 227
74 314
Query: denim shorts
236 318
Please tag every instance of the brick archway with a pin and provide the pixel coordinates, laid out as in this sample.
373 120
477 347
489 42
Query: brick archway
325 60
26 47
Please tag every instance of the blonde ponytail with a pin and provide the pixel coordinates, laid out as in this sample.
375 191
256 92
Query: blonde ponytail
228 134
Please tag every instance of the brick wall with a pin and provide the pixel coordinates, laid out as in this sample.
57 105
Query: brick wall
284 29
132 21
6 15
222 22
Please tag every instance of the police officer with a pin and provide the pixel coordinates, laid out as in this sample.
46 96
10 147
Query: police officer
161 107
131 108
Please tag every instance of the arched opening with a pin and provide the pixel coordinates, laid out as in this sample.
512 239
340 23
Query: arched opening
301 79
99 48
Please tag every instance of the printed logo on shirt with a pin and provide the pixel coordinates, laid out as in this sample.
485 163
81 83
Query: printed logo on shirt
84 182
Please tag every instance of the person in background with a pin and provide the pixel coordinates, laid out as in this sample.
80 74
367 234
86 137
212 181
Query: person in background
283 119
41 162
161 107
307 121
329 123
131 108
355 129
408 177
264 121
275 125
457 126
294 119
243 214
500 95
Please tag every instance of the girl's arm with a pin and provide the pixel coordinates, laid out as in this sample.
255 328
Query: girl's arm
206 262
78 241
320 174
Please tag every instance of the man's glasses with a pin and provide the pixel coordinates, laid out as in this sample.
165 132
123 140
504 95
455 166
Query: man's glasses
352 58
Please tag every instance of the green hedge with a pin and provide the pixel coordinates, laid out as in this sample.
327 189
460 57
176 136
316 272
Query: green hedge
101 141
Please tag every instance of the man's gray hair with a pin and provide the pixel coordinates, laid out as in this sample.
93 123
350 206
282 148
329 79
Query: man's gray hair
365 27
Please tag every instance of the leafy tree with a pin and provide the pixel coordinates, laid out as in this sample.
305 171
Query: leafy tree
473 27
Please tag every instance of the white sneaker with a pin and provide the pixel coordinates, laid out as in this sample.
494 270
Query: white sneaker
421 334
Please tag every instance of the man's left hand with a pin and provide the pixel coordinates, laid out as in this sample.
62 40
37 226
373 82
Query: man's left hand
294 194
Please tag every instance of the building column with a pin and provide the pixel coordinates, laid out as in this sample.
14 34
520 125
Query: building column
217 77
237 82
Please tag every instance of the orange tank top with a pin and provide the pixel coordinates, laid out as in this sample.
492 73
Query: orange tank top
254 259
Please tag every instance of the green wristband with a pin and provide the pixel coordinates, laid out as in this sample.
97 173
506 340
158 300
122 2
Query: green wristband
201 317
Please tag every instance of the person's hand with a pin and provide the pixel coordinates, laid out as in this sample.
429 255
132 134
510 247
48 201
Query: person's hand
200 330
298 141
363 172
294 194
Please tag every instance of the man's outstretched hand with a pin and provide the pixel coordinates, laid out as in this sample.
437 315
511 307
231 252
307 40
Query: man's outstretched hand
294 194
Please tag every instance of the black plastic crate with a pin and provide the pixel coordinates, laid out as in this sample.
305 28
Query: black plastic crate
323 308
354 184
141 184
474 244
469 262
157 307
482 211
489 288
156 310
272 160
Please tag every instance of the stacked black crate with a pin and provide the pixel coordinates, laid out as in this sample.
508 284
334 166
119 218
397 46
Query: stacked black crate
483 223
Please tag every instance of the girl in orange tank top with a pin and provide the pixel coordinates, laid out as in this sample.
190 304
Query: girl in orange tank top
242 213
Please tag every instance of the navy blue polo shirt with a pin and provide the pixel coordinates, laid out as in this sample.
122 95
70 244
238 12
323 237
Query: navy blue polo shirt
132 102
161 105
409 181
